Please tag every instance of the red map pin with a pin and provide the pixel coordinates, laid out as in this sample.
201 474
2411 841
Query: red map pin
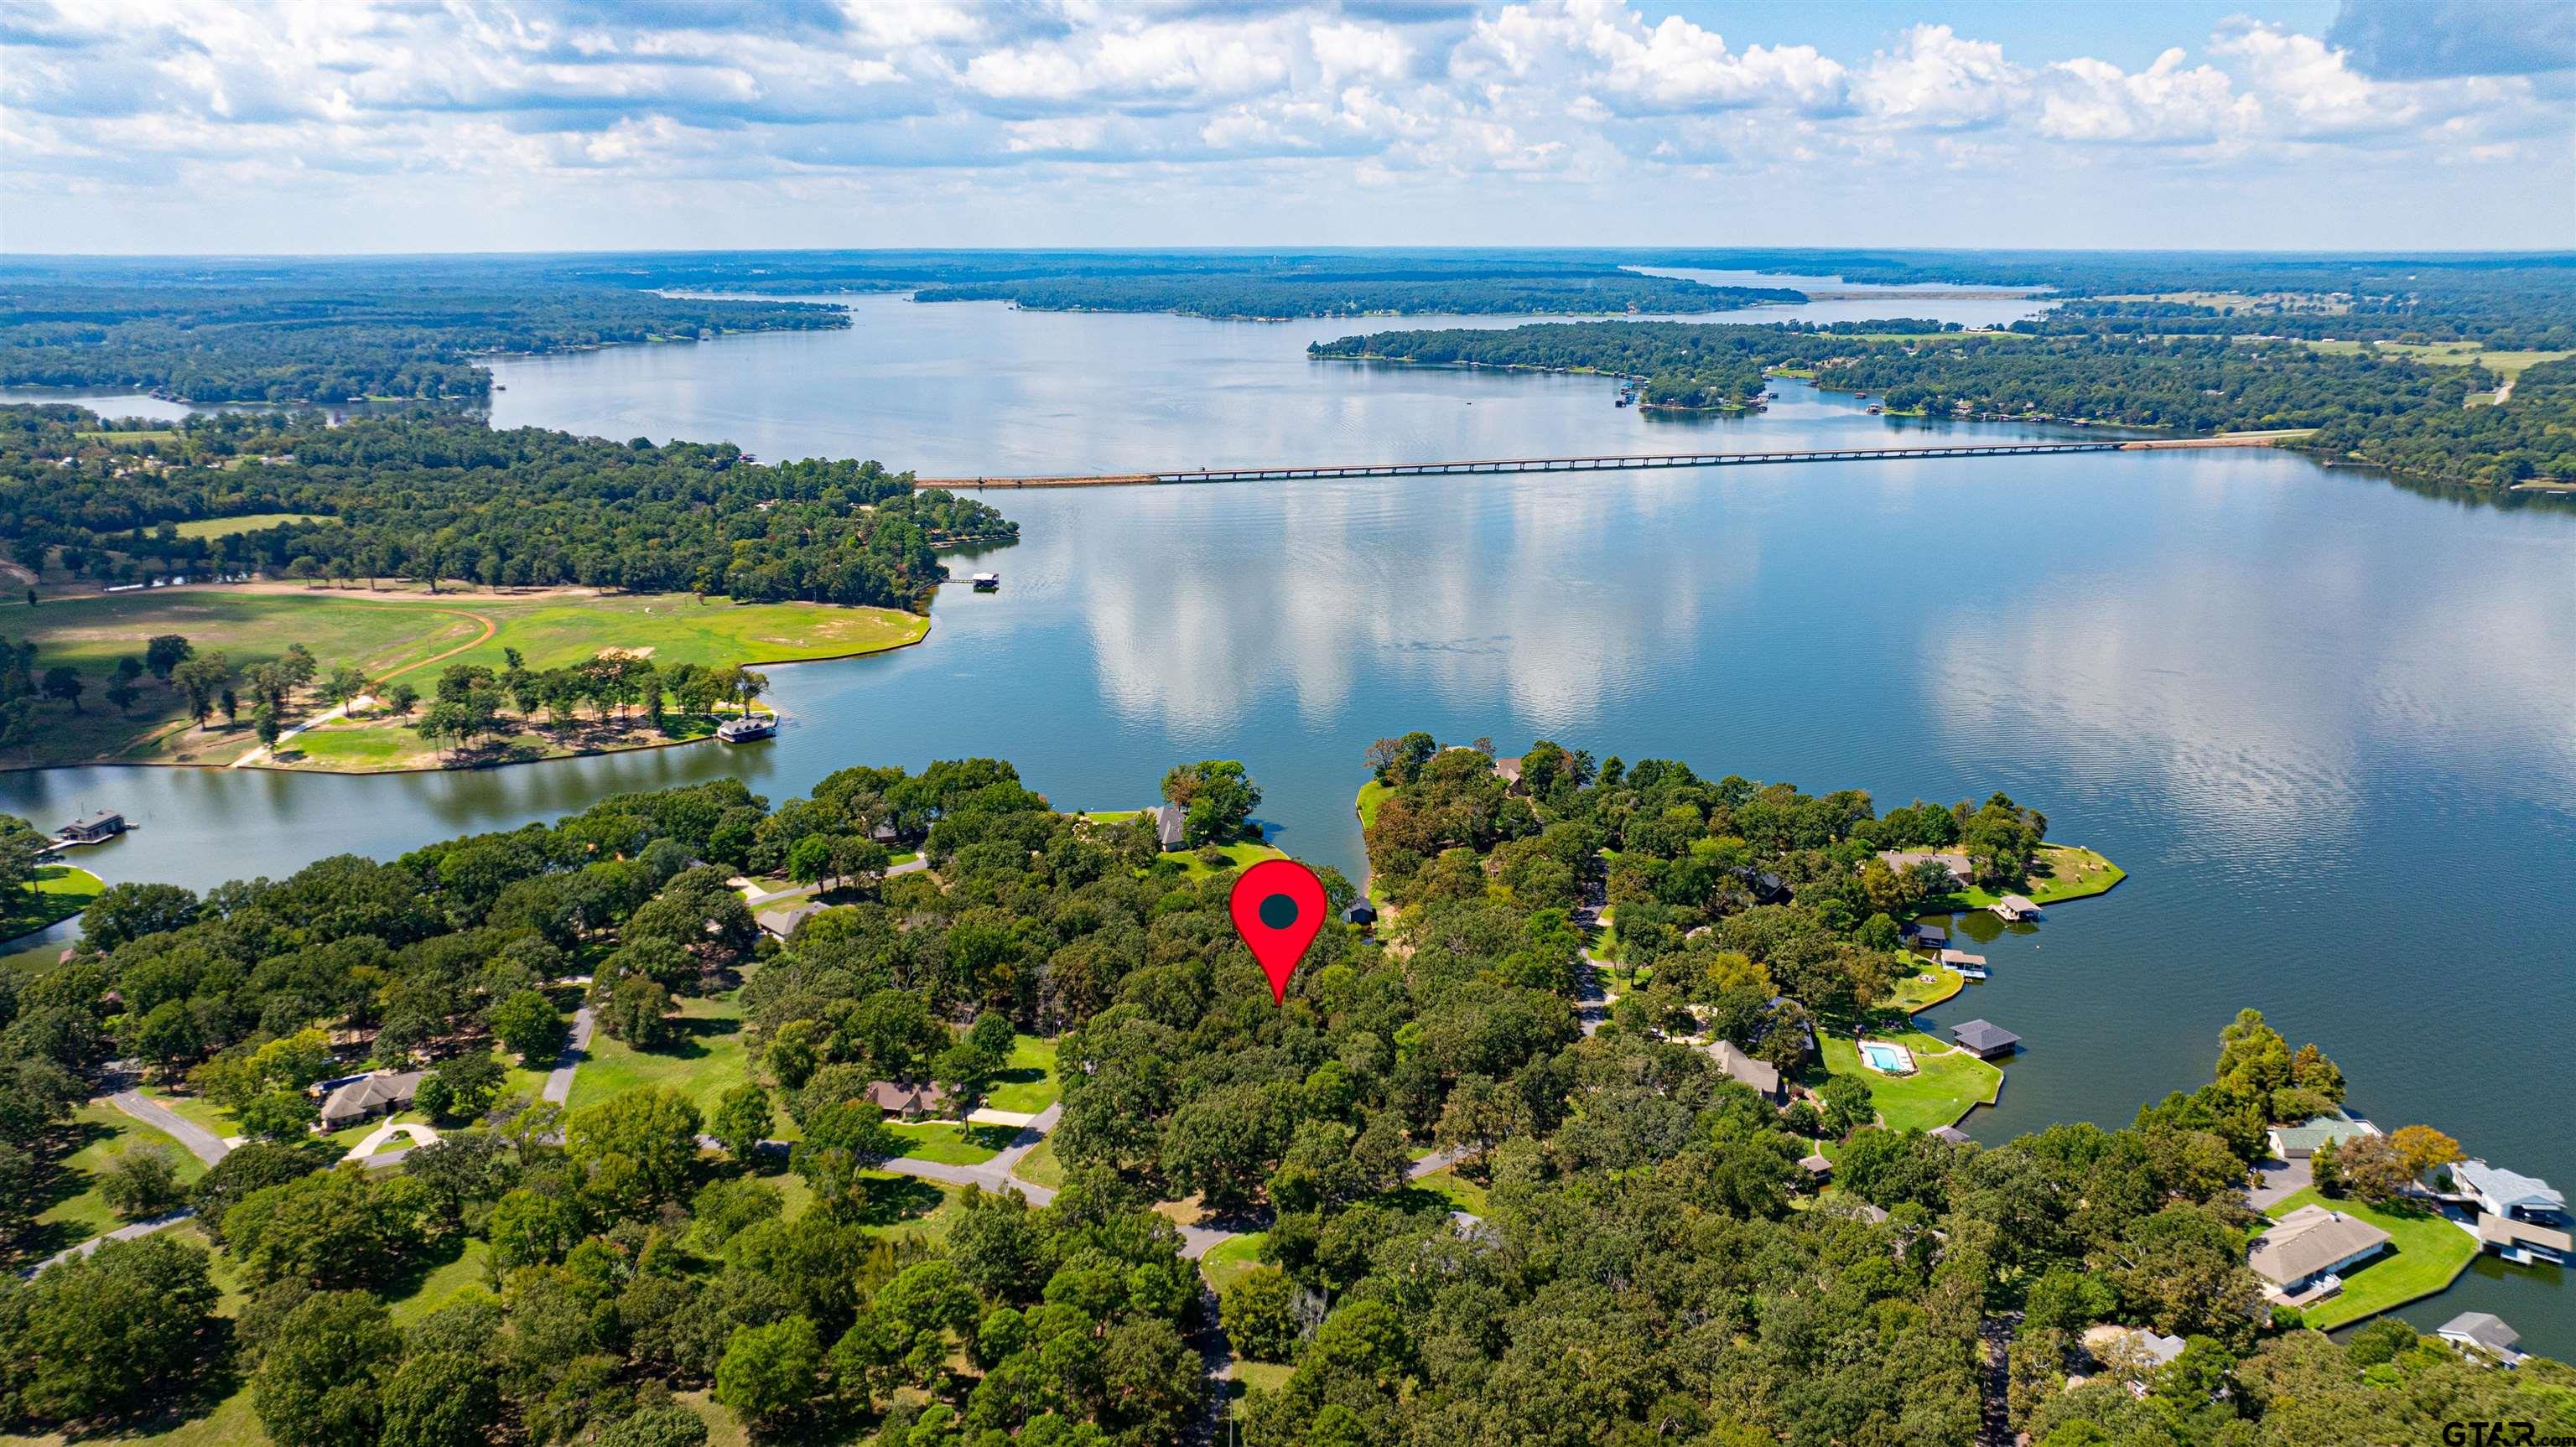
1278 908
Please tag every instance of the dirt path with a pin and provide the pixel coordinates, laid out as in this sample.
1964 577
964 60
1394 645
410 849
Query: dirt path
489 628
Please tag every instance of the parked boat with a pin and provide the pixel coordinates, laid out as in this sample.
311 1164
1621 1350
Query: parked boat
749 728
988 582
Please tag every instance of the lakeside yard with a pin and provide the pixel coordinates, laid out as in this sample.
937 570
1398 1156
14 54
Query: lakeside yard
2062 872
2427 1253
58 892
1946 1084
387 634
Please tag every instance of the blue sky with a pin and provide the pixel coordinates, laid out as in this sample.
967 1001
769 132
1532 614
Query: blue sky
404 125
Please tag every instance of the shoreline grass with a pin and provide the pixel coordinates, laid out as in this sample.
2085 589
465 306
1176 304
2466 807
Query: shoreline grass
1946 1084
61 891
2428 1253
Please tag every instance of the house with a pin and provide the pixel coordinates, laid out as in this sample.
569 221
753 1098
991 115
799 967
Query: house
783 921
2135 1352
1806 1029
2484 1334
1952 1134
370 1095
1171 827
1972 966
103 825
2305 1252
1509 771
2014 907
911 1102
1902 860
1817 1166
1985 1039
1763 1076
2298 1142
746 729
885 834
1874 1215
1360 915
1768 888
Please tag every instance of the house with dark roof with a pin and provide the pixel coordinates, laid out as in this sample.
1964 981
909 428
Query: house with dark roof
370 1095
911 1102
2484 1334
1920 933
1172 827
1762 1075
2305 1253
1363 915
91 829
1985 1039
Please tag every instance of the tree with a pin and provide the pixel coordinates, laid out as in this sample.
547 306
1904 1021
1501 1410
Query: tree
2371 1168
2423 1148
130 911
769 1372
121 695
528 1023
1845 1105
140 1182
1260 1314
467 1085
164 653
1218 795
202 679
102 1334
20 847
440 1399
743 1119
344 683
1224 1145
64 682
338 1228
400 696
319 1383
638 1011
277 1114
637 1148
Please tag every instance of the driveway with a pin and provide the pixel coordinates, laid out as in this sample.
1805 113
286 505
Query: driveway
202 1143
2281 1180
559 1080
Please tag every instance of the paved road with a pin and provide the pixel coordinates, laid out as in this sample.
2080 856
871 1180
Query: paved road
1436 1162
559 1080
121 1233
1592 999
913 865
202 1143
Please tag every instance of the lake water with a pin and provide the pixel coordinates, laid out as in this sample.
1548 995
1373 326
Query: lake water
2327 724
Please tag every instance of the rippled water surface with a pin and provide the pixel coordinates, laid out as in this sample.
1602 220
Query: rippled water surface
2328 725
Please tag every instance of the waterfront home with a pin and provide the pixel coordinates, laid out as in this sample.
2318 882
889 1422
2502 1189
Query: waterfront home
1171 827
782 921
746 729
1985 1039
2521 1218
1509 771
369 1095
909 1101
103 825
2298 1142
1972 966
1902 860
2305 1253
1817 1166
1950 1133
2484 1334
2014 907
1762 1075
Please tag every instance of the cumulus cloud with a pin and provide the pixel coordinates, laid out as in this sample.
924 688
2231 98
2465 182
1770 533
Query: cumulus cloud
101 94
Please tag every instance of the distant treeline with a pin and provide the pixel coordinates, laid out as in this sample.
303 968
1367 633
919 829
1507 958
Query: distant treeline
448 499
2382 408
340 334
1393 294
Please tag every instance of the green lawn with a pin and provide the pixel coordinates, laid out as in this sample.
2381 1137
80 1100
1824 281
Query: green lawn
2428 1254
2063 872
1237 856
1370 794
910 1206
386 633
1231 1260
59 891
1942 1088
246 523
1028 1084
1464 1195
1040 1167
419 1298
950 1144
78 1211
710 1059
196 1110
1915 993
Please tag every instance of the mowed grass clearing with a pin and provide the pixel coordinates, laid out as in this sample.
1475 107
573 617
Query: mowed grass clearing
387 634
249 522
1946 1084
1027 1085
2427 1253
711 1058
58 892
80 1212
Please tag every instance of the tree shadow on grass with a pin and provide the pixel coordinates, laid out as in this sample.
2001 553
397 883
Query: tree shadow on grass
181 1401
896 1199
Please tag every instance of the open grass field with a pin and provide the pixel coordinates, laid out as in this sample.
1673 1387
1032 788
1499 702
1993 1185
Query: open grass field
1925 988
77 1211
1946 1084
2062 872
1231 1260
388 634
710 1059
2428 1254
2445 354
1028 1084
246 523
950 1144
1040 1167
58 892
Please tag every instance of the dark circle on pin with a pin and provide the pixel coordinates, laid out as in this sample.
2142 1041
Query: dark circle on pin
1278 911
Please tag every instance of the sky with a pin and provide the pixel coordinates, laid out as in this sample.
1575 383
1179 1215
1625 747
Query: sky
312 126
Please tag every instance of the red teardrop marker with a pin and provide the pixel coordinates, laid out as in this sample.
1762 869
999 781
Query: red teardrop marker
1278 908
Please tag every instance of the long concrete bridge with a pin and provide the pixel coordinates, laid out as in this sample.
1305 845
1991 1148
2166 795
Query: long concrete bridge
1607 462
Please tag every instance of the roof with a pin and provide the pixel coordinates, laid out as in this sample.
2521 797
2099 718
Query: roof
903 1099
1983 1035
2309 1240
1817 1165
1360 914
372 1092
2016 904
1760 1074
1901 860
2483 1327
1950 1133
1509 768
102 818
2509 1189
1171 824
783 922
1929 933
2497 1230
1961 957
2306 1137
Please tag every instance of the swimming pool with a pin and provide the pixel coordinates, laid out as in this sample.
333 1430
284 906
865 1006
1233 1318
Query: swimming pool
1887 1059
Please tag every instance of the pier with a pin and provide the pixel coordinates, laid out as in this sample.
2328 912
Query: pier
1607 462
